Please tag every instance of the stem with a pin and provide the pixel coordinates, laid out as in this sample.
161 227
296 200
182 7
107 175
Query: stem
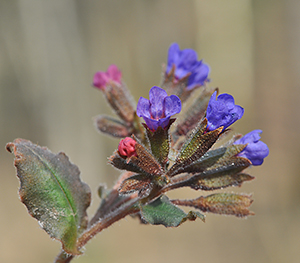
107 221
123 211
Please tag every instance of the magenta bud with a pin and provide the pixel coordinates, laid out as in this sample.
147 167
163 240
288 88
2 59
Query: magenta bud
126 147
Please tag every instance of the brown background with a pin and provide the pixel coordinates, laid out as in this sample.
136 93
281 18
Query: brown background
49 51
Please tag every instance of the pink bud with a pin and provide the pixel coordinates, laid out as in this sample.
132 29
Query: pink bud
101 78
127 147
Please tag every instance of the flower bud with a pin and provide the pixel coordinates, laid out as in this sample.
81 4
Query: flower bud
102 79
126 147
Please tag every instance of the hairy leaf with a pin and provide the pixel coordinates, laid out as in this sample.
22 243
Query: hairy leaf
229 174
124 164
111 126
163 212
194 148
52 191
206 161
223 203
138 183
231 151
219 181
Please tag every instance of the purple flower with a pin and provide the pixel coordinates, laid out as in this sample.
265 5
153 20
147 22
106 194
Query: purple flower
101 78
185 62
255 150
158 109
222 111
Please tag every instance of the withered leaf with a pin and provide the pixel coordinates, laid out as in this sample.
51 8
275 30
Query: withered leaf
222 203
51 189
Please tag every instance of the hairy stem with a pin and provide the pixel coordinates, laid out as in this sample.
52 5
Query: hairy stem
108 220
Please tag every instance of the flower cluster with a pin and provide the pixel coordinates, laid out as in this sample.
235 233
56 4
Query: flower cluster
159 156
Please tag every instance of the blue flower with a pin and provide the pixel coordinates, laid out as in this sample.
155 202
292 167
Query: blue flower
158 109
222 111
186 62
255 150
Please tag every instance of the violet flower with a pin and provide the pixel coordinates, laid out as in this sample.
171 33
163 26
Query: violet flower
222 111
255 150
185 62
101 78
158 109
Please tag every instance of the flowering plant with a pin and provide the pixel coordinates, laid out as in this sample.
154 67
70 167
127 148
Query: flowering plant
155 155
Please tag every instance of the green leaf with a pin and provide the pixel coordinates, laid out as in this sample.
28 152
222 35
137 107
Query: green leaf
51 189
163 212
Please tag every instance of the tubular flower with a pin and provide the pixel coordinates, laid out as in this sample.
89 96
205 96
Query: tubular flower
158 109
126 147
255 150
186 62
222 111
101 78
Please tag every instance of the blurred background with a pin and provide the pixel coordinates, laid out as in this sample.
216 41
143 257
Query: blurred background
49 51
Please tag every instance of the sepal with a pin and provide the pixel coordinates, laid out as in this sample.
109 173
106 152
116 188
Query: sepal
144 162
160 142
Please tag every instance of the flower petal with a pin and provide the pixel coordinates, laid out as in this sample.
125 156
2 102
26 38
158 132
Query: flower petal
100 79
199 75
152 124
172 105
157 97
114 73
143 108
